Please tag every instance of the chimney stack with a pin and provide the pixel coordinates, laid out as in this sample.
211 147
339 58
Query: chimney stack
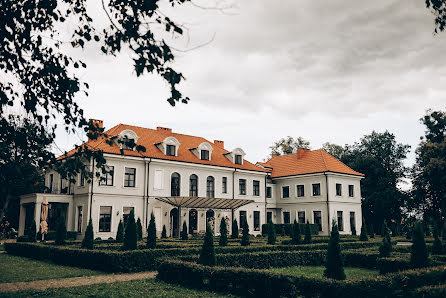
219 144
165 129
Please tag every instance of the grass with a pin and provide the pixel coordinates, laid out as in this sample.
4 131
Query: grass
318 271
14 269
139 288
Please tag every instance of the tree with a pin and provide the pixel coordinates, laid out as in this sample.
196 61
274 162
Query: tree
207 255
438 9
271 233
164 232
151 232
443 233
419 256
386 246
31 232
184 235
307 238
61 231
296 237
333 149
130 236
139 229
245 234
120 233
371 231
234 234
87 242
363 236
223 241
288 145
437 246
334 264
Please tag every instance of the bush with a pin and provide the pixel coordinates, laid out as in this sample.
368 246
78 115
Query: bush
184 235
61 231
287 229
130 236
354 230
164 232
430 291
437 247
120 233
223 241
271 233
87 242
363 236
386 246
371 231
245 234
234 234
419 256
139 229
207 255
32 232
334 266
307 238
151 232
296 237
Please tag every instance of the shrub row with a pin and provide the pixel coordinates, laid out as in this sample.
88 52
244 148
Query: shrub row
400 263
263 283
430 291
286 228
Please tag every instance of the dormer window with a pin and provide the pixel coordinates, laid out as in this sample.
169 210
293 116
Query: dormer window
170 150
238 159
169 146
236 156
204 154
127 139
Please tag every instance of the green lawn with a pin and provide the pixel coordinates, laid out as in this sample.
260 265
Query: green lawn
13 269
318 271
139 288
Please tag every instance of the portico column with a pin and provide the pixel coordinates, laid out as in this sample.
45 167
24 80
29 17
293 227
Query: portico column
22 220
37 211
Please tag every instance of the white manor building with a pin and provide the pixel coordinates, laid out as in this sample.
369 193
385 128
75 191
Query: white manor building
186 178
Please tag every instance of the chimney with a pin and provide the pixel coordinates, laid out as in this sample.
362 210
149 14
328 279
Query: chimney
164 129
219 144
99 124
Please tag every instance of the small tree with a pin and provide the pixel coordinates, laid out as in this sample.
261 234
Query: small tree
281 230
207 255
120 233
234 229
354 230
428 230
130 236
386 246
307 238
363 236
334 265
61 231
437 246
371 231
184 235
419 256
245 234
271 233
164 232
31 233
296 237
151 232
87 242
223 241
139 229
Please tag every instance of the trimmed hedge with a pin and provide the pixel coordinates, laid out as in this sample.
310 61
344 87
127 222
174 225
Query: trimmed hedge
288 227
430 291
401 263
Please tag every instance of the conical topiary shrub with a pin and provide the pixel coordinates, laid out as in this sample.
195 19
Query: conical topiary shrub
87 242
120 233
207 255
386 246
363 236
371 231
296 237
223 241
419 256
334 265
31 233
271 233
307 238
234 234
184 235
139 229
61 231
354 230
437 246
245 234
164 232
130 236
151 232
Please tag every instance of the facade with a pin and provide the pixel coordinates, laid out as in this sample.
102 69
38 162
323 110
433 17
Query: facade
181 178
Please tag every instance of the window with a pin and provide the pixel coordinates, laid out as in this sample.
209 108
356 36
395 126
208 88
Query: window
316 189
126 214
238 159
268 192
338 189
242 186
286 217
204 154
242 218
158 183
285 191
256 188
175 185
301 217
317 219
340 221
269 217
129 177
210 187
224 185
256 220
107 179
127 143
170 150
79 219
82 182
300 191
193 186
51 182
351 191
105 218
352 221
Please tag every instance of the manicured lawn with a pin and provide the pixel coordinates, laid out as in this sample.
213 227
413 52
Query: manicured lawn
14 269
140 288
318 271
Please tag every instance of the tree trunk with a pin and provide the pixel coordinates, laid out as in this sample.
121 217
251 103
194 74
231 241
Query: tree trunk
4 208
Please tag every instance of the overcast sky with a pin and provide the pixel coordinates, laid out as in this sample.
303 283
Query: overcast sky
324 70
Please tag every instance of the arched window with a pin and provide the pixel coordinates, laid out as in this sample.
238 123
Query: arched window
175 185
193 186
210 187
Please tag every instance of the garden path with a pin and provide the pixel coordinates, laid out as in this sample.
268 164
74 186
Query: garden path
74 281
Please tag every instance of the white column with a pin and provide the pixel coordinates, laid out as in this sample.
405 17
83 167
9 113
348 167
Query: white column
37 211
22 220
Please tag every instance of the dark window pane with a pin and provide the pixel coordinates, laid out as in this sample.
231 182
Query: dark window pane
285 191
242 218
126 214
352 221
224 185
317 189
242 186
269 216
286 218
107 178
205 154
301 217
238 159
340 221
175 185
317 217
338 189
351 191
105 218
256 187
268 192
210 187
170 150
300 191
129 177
256 220
193 186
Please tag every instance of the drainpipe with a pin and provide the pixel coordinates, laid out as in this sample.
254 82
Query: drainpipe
147 192
328 206
92 184
266 179
233 194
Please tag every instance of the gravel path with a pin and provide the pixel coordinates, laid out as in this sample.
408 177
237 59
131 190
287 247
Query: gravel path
73 281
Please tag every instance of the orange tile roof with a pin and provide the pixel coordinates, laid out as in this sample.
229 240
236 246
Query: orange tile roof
307 161
149 137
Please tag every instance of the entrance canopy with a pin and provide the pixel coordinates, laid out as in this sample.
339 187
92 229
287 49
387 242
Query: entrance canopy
198 202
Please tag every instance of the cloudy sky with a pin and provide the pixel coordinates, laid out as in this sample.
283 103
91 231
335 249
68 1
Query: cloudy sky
324 70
